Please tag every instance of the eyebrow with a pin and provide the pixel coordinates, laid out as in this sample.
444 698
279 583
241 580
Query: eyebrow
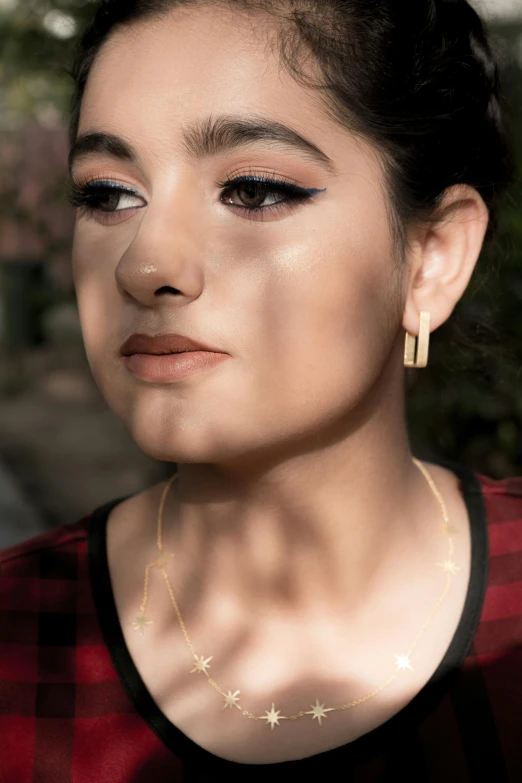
205 138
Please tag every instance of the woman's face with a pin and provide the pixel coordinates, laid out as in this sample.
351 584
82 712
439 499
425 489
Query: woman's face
302 295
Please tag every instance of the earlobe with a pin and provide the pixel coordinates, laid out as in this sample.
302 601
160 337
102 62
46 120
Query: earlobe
445 256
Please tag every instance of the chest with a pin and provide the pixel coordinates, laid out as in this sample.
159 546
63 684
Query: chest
296 669
288 675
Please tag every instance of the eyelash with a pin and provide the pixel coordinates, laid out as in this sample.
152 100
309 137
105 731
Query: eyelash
87 195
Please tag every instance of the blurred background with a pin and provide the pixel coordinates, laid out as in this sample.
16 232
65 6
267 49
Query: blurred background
62 451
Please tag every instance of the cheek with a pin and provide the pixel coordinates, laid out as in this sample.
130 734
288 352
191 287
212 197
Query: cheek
95 289
328 318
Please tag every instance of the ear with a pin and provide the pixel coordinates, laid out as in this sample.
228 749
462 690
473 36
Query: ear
441 257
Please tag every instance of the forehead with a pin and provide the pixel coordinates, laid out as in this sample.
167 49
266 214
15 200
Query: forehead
157 75
191 57
189 61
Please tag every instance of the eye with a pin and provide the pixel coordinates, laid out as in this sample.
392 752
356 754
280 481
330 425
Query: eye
259 194
103 198
107 200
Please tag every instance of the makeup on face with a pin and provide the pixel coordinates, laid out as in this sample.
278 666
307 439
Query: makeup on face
172 367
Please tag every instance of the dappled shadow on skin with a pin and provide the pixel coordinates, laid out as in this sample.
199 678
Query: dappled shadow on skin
258 742
299 533
486 702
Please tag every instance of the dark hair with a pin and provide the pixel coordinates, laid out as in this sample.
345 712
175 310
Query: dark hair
418 79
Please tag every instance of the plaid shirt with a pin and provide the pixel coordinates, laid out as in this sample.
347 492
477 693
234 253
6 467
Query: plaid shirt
73 708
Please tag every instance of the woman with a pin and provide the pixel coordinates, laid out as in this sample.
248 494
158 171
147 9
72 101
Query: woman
277 202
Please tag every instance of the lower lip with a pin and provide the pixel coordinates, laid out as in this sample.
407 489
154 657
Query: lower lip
171 366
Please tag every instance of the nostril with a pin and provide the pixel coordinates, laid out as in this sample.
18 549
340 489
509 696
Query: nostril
167 289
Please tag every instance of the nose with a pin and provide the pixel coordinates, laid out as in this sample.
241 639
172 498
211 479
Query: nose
164 260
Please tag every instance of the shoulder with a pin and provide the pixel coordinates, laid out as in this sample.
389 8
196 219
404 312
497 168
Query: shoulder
41 574
511 486
502 609
498 639
26 557
503 501
61 553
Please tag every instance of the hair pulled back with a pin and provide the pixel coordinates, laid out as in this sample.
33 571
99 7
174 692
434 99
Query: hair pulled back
417 79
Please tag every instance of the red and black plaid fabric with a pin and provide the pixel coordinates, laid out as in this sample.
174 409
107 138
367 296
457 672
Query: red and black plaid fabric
73 708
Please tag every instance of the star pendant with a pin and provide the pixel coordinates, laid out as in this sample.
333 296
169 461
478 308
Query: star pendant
318 711
273 717
403 662
201 664
140 623
231 699
449 567
162 560
449 529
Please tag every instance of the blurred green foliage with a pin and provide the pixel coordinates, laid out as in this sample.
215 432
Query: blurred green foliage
467 404
36 41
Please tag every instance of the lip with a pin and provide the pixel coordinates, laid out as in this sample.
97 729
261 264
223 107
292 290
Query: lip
167 358
166 343
172 367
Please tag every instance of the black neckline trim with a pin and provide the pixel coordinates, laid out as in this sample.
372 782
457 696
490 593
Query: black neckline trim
420 706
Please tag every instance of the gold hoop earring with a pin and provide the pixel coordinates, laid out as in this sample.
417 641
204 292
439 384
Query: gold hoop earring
416 349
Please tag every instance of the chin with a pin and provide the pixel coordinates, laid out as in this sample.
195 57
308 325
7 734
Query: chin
177 444
219 446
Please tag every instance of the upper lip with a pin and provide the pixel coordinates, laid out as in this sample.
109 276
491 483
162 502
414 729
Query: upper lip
162 343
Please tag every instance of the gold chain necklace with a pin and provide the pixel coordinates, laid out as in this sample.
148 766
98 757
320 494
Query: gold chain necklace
318 710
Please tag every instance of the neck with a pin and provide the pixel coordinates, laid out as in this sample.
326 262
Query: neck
322 529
